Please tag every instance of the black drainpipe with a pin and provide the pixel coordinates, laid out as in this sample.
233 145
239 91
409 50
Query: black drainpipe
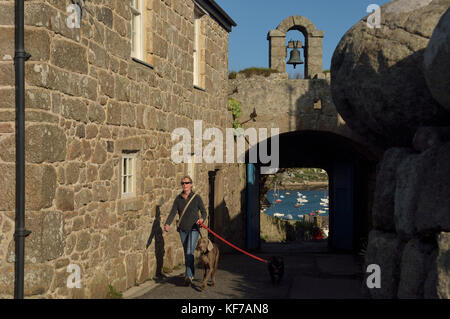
20 232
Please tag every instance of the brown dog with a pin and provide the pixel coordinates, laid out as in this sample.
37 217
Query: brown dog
210 258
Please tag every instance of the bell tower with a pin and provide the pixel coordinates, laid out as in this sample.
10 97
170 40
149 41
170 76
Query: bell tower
312 47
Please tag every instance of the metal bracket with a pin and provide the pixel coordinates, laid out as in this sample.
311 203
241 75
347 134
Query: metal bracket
22 55
22 233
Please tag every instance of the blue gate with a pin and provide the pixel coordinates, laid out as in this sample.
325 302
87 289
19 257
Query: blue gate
342 219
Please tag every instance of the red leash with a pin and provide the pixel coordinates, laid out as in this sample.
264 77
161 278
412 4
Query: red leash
237 248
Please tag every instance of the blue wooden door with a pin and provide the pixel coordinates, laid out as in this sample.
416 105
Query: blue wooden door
341 227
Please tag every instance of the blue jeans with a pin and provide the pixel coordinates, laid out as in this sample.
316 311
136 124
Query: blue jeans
189 240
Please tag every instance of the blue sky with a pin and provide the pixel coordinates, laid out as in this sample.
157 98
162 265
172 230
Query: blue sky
255 18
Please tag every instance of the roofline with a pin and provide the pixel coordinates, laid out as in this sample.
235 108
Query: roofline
217 13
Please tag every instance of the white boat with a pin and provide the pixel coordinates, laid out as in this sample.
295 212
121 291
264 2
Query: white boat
281 196
321 212
278 215
275 191
289 216
326 208
323 204
287 193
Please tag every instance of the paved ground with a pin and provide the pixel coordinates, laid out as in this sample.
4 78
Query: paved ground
310 273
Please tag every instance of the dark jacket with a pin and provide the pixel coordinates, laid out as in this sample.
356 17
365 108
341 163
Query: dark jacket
190 217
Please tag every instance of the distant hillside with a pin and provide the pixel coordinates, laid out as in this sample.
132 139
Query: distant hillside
298 176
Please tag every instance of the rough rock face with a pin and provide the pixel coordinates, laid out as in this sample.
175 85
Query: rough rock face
384 249
384 203
428 137
437 283
415 264
377 79
411 221
437 62
433 199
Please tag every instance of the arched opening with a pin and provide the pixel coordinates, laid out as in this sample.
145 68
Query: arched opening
294 205
312 45
351 170
296 38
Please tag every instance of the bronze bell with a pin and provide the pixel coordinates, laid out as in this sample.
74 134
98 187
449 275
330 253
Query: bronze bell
295 57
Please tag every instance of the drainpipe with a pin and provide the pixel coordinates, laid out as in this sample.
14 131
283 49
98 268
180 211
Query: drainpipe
20 232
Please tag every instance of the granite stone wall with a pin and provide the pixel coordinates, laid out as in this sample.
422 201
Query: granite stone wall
87 104
382 87
289 104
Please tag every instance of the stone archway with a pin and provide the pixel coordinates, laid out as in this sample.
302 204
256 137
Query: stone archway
312 46
351 167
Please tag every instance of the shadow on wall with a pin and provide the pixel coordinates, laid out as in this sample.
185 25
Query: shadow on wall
231 229
157 234
315 110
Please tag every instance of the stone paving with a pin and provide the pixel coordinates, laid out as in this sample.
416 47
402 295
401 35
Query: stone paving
310 273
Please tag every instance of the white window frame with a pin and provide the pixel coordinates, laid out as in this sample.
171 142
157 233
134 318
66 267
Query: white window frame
197 31
128 176
137 29
191 168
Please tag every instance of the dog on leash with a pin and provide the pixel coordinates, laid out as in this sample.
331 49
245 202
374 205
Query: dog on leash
210 259
276 269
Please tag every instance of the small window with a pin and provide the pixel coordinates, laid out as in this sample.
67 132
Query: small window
137 34
128 175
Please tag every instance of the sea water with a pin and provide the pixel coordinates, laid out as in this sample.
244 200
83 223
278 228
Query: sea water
286 206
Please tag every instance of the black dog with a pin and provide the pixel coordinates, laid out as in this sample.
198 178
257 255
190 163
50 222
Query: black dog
276 269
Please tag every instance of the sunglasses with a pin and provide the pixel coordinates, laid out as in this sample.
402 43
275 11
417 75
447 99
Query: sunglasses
183 183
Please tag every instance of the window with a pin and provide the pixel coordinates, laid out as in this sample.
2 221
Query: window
128 175
199 57
191 168
137 33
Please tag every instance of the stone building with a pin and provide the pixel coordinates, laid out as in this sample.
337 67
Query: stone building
105 87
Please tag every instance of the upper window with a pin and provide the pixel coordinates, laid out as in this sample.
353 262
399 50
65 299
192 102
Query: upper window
199 52
191 167
137 29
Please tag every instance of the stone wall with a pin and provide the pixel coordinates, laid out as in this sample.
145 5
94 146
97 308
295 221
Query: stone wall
275 230
410 239
289 104
87 103
382 87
